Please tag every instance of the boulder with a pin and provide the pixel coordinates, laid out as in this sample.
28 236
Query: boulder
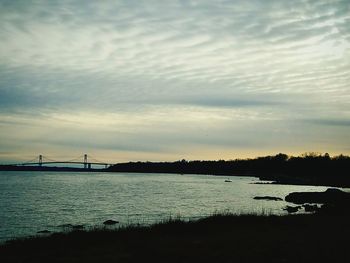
269 198
292 209
330 196
311 208
44 232
110 222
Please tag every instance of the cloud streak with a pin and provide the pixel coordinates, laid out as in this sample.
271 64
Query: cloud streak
262 64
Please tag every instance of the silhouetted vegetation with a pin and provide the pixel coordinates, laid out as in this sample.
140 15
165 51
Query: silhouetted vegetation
219 238
311 168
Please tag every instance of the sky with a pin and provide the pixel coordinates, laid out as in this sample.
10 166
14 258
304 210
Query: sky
164 80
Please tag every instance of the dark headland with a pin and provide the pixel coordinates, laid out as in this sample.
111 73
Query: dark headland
309 169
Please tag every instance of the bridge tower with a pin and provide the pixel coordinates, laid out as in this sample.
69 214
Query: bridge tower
40 160
85 161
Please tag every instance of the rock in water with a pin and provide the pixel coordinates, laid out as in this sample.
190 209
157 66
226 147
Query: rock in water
110 222
44 232
311 208
269 198
330 196
292 209
334 201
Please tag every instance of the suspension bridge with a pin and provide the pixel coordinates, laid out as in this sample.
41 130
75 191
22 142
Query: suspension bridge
84 160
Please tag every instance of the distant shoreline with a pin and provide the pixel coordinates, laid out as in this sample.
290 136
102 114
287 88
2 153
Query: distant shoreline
264 179
46 169
311 169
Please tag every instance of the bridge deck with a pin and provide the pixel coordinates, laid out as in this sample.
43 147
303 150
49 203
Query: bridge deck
37 163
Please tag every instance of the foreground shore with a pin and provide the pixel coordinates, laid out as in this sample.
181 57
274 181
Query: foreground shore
219 238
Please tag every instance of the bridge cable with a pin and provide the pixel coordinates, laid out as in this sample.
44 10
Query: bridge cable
48 159
33 160
76 159
97 161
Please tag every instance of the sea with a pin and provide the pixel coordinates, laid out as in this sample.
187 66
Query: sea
31 202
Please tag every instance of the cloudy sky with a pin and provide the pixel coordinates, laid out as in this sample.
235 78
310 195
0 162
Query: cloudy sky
171 79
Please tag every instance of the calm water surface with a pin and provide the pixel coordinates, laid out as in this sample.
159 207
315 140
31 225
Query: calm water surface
34 201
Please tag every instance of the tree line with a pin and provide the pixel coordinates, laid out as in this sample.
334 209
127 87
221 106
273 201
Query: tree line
308 168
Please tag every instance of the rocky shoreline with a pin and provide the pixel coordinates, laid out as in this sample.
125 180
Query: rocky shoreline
331 201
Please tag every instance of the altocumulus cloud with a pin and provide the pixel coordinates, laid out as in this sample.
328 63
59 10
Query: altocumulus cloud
165 80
